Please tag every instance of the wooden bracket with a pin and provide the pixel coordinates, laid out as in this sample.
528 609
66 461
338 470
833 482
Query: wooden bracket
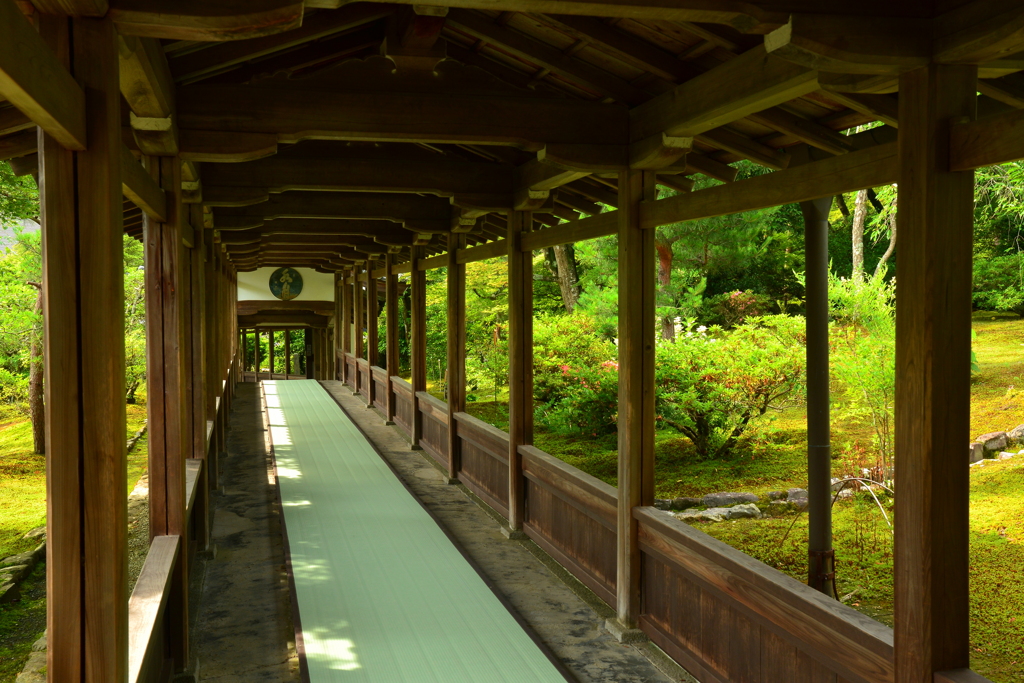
658 151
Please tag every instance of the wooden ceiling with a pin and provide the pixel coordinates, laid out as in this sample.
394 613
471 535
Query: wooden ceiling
327 135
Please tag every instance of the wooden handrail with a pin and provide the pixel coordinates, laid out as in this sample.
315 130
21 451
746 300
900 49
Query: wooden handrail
193 470
146 606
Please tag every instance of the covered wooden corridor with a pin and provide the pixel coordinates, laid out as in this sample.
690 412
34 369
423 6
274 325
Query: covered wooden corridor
366 143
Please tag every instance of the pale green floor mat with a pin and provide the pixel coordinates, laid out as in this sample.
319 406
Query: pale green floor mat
383 594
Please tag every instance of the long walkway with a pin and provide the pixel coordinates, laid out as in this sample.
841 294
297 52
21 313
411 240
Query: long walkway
383 595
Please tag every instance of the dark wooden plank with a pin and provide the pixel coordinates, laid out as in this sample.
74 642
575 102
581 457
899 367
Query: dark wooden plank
933 319
62 389
371 328
357 325
636 383
147 605
391 325
456 346
520 357
418 340
101 393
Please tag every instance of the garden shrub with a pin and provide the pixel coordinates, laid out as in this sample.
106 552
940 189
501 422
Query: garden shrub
711 385
733 308
999 284
589 404
561 345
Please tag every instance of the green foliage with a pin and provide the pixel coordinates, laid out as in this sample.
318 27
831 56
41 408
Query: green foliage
710 386
732 308
134 317
19 198
864 359
999 283
561 344
20 323
589 401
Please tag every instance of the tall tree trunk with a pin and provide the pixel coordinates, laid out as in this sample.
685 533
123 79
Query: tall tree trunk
889 251
860 214
665 256
35 381
568 276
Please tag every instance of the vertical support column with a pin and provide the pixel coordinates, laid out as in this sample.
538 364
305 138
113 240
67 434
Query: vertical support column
166 372
309 353
933 343
198 368
346 326
636 388
391 343
84 363
418 341
456 348
287 353
371 330
340 328
520 364
820 557
357 317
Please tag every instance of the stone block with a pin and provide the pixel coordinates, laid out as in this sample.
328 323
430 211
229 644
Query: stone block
977 452
1016 435
684 503
993 443
724 499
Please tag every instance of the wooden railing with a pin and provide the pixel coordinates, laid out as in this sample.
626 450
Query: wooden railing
364 378
435 427
380 390
155 620
403 404
484 460
727 617
350 373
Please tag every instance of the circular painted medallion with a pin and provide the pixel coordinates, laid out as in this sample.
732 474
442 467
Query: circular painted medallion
285 283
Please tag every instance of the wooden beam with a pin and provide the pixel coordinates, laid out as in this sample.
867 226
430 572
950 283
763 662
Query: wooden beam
804 130
741 86
658 151
139 187
858 45
355 172
422 213
933 376
192 65
731 141
601 225
993 140
636 387
13 121
295 114
741 15
147 87
979 31
884 108
33 80
203 20
417 341
538 175
18 145
546 56
282 319
225 146
857 170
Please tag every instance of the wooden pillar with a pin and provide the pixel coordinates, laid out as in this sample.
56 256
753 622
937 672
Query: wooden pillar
520 362
198 368
166 372
371 329
391 343
418 341
456 348
357 317
636 385
346 326
820 557
308 332
933 343
83 301
271 342
340 328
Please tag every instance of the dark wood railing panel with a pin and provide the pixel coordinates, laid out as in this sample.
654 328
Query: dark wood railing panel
403 404
147 607
748 613
380 391
571 515
484 462
435 427
364 378
350 375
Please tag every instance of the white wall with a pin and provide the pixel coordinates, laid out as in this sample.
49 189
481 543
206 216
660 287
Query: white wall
255 285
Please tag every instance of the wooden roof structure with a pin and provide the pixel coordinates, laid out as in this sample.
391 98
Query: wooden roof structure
371 139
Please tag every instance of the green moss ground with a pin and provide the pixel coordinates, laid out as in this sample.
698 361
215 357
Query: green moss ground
21 624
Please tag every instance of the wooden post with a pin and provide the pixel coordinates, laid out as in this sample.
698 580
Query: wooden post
346 326
418 341
820 556
391 343
309 352
357 317
371 330
933 344
288 352
636 388
198 368
166 373
340 328
83 301
520 364
271 341
456 348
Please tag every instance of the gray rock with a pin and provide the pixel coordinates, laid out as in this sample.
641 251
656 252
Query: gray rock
993 443
14 572
662 504
797 498
40 645
777 507
1006 456
724 499
744 511
684 503
721 514
775 495
977 452
9 592
20 558
36 533
1016 435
